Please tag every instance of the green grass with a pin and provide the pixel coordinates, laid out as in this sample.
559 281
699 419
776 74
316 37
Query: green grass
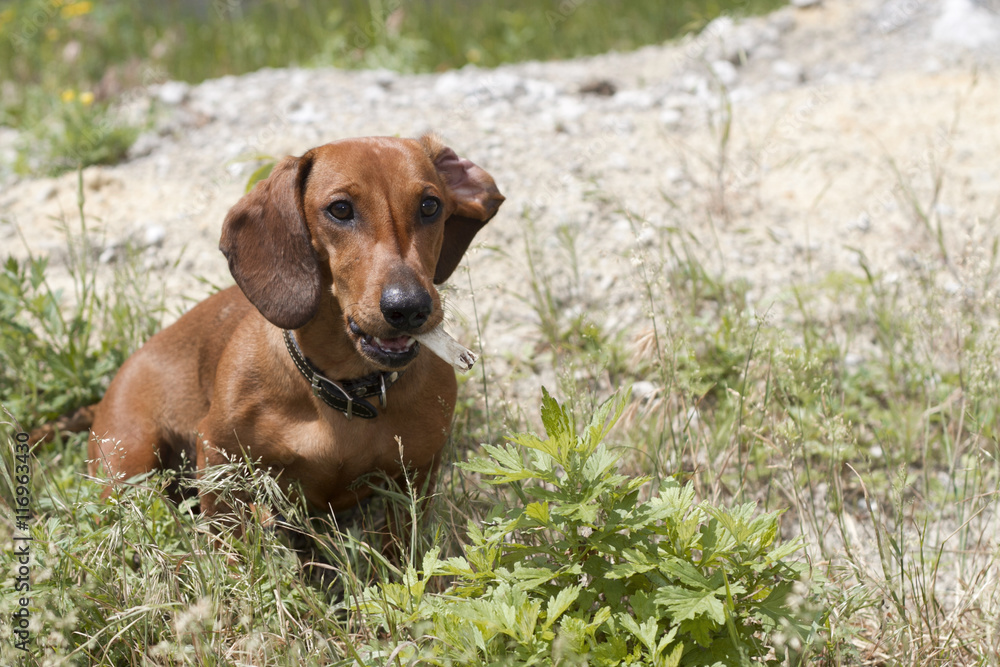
71 67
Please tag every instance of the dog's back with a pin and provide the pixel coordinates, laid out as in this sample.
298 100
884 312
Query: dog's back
161 393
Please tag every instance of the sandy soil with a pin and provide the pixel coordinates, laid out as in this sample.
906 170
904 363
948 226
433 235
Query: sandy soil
835 111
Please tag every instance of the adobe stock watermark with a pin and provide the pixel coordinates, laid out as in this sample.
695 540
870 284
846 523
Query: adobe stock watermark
129 109
488 88
559 15
126 109
593 149
565 9
749 168
21 618
713 33
898 14
384 22
253 146
31 24
228 9
887 198
381 25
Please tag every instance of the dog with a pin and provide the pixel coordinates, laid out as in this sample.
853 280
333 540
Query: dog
309 365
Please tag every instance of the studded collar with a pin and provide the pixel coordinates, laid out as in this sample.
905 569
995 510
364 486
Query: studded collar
346 396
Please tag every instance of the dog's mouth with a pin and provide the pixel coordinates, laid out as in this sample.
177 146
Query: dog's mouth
392 352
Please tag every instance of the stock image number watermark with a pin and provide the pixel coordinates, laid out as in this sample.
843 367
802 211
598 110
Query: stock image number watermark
22 541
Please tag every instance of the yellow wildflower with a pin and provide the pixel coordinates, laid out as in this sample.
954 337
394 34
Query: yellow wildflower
76 9
52 34
68 96
87 98
6 16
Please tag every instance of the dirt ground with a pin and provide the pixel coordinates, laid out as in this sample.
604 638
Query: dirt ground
783 148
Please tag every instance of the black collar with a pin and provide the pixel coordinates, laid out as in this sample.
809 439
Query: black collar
347 396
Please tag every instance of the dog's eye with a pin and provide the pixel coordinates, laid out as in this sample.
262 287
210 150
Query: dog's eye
341 210
429 207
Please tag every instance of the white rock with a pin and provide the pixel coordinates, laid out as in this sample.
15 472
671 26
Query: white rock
110 252
645 237
782 20
767 52
374 94
618 161
621 124
692 83
788 71
710 42
635 100
385 77
726 72
806 3
308 114
500 86
740 95
679 101
862 71
154 235
750 37
450 84
172 92
726 40
540 90
965 24
932 66
944 210
568 109
674 174
642 390
671 118
47 192
144 144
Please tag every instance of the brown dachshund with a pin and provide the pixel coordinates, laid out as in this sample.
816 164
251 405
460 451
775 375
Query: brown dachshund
309 365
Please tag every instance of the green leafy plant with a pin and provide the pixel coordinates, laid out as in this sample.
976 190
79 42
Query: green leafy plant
583 567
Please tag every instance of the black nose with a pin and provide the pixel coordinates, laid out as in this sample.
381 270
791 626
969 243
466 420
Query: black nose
405 306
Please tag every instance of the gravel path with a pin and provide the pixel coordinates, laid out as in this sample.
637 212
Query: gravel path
821 102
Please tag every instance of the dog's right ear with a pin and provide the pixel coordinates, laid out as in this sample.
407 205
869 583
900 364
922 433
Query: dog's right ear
270 253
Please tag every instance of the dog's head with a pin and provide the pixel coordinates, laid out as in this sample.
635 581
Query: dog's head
377 221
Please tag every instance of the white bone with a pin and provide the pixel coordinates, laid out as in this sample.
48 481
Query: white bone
443 345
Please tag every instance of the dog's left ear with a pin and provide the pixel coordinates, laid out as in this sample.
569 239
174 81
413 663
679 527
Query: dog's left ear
476 196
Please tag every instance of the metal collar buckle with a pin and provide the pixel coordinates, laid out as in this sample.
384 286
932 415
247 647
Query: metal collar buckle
348 396
318 390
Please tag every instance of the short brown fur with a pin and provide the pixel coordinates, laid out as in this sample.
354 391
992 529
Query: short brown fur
220 383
